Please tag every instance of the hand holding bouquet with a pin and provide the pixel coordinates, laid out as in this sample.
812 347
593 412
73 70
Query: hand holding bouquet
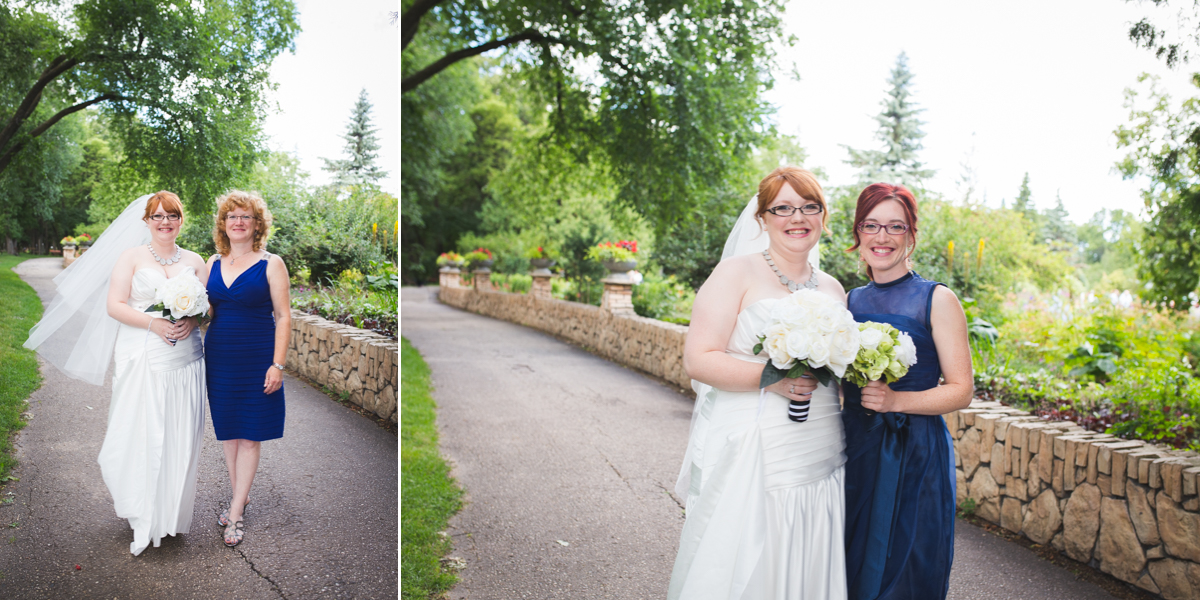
179 298
807 332
885 354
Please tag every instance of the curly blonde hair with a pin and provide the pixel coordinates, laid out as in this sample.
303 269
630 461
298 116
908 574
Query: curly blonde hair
250 201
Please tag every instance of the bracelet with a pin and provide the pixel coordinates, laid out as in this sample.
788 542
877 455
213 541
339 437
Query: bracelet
277 366
151 323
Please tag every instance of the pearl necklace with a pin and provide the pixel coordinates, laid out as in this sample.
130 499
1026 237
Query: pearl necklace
166 261
793 286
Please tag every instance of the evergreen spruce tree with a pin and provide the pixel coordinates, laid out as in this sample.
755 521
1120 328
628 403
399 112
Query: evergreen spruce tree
1024 202
1056 229
362 147
900 132
1024 205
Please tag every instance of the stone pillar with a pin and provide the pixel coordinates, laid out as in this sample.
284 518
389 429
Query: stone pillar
449 277
68 255
541 287
618 297
482 280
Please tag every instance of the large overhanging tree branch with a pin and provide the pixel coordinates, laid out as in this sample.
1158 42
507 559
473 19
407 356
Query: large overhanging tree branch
410 23
412 81
666 93
11 150
181 80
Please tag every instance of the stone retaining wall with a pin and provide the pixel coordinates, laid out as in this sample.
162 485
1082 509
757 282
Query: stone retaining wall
1125 507
650 345
349 360
1128 508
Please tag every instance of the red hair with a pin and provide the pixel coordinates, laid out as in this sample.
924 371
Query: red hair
873 196
803 182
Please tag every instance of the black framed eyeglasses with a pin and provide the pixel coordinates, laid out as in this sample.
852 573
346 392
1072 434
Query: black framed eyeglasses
891 228
160 217
787 211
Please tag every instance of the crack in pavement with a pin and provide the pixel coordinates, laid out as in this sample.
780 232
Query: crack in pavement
672 497
250 563
619 475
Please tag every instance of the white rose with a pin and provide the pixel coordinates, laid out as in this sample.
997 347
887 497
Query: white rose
818 352
788 313
843 348
776 346
828 317
906 352
183 296
799 343
870 338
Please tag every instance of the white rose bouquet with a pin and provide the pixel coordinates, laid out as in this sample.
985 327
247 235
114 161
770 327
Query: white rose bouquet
885 353
180 297
808 331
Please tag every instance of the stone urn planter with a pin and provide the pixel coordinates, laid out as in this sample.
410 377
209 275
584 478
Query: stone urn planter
618 271
482 266
541 266
451 266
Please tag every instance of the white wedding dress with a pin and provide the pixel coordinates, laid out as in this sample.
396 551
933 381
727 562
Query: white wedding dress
151 450
765 504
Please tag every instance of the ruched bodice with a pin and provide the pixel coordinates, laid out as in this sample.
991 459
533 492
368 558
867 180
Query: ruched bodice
764 493
240 348
900 467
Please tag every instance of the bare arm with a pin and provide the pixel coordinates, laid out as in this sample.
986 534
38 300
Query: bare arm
119 288
714 316
277 278
954 353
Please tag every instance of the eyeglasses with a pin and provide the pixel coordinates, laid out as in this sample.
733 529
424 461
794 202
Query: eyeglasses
160 217
891 228
787 211
236 218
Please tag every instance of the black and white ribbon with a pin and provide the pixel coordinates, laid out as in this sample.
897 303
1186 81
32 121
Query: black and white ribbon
798 410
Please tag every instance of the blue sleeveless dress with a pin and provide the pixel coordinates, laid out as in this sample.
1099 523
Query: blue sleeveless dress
900 481
238 350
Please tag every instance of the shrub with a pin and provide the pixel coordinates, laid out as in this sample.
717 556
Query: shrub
516 283
665 299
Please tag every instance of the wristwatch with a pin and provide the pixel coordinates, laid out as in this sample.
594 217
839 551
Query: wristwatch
278 366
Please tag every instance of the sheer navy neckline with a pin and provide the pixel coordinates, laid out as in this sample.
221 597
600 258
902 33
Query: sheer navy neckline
906 277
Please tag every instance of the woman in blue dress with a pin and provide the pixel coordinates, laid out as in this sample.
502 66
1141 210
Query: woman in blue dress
899 459
246 344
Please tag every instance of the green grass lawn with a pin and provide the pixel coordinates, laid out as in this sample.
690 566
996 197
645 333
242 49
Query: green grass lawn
428 496
20 309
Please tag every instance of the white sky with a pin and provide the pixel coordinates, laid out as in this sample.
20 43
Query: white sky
1029 85
343 47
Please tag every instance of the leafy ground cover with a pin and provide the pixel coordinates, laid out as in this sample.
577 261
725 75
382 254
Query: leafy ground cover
1112 365
428 495
20 309
365 301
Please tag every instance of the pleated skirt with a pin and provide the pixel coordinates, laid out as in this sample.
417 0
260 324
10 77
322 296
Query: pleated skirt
151 451
765 506
239 349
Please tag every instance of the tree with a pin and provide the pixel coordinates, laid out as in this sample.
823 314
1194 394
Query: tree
900 132
362 147
666 92
1056 230
1162 142
181 80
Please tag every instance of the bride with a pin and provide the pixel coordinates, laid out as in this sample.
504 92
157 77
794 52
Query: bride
151 449
765 505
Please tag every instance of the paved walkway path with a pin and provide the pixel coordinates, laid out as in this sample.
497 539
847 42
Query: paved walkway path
322 521
569 462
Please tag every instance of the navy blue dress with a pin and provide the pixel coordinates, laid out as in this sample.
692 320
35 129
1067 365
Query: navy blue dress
238 350
900 479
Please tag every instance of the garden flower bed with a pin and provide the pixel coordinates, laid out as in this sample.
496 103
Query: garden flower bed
364 301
